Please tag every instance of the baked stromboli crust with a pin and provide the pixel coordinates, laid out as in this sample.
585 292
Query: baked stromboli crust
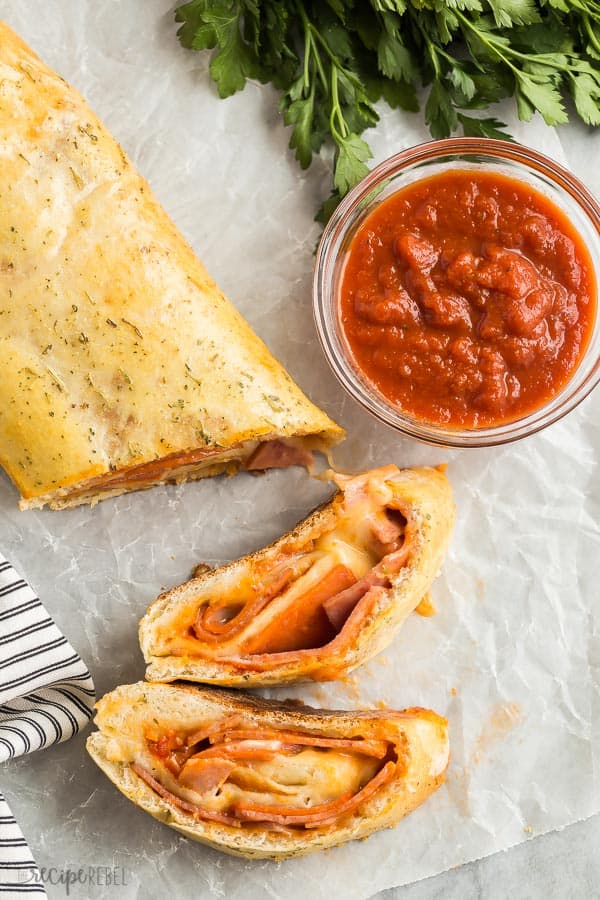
423 496
116 347
420 737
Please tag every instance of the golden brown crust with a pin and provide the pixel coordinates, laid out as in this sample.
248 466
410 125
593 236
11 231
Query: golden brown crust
123 714
117 347
423 494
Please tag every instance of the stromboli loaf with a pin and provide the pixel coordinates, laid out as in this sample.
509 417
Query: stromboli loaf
256 778
319 601
122 364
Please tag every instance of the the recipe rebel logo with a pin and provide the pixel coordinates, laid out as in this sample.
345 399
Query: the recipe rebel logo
104 877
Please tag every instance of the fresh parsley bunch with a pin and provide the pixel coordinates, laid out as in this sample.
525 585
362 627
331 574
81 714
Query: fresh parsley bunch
332 60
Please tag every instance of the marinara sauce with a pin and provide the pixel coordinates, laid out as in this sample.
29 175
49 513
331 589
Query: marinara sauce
467 298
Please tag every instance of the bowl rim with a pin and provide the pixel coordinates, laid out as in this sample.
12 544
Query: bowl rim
340 227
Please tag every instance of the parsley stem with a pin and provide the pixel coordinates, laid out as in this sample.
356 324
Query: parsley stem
318 61
312 37
488 43
335 61
544 59
590 32
311 49
307 49
431 50
587 6
336 111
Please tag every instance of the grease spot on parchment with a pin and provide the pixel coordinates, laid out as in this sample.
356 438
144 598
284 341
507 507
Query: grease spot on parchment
504 717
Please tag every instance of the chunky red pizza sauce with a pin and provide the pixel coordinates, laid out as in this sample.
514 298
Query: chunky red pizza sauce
467 299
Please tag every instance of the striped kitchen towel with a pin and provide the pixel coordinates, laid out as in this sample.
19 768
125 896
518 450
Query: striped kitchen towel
46 696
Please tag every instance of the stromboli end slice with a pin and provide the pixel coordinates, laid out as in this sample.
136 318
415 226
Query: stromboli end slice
257 778
319 601
122 364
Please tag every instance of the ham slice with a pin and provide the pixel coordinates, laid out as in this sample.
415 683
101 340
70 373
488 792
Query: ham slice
213 731
366 747
175 752
391 564
339 607
388 526
197 811
205 775
278 454
253 748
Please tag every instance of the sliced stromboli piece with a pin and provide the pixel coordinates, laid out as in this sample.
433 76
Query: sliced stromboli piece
122 364
257 778
318 602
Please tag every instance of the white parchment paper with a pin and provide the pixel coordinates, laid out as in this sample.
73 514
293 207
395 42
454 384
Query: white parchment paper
512 656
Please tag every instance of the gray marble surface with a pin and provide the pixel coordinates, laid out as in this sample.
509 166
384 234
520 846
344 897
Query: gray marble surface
563 865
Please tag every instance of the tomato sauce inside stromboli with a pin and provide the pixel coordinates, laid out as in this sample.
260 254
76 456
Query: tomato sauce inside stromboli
467 299
305 598
240 774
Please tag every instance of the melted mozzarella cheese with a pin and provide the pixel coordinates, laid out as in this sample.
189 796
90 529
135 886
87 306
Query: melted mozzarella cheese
304 779
340 550
351 542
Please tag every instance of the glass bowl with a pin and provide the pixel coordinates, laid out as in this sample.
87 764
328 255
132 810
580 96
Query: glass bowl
411 165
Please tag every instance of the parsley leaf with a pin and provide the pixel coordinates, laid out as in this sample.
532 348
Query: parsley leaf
488 128
393 57
300 114
514 12
350 161
586 94
542 95
440 114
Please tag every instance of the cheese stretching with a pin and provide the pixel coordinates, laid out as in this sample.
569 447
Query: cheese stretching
319 601
255 778
122 364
